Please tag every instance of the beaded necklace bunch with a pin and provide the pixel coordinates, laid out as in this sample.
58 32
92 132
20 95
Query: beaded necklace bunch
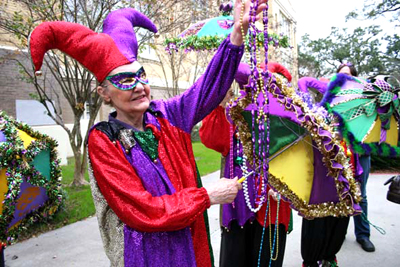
259 82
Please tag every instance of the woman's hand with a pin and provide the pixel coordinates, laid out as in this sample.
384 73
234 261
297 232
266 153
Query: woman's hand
236 35
224 191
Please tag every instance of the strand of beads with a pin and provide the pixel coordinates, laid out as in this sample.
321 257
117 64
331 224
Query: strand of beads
276 234
260 99
246 189
231 166
231 163
253 84
265 85
262 235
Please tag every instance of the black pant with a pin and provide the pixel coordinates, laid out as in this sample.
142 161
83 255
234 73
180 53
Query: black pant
240 246
322 238
2 262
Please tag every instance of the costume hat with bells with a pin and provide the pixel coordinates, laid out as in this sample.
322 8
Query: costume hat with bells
100 53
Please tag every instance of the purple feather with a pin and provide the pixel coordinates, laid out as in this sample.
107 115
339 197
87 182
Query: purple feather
337 81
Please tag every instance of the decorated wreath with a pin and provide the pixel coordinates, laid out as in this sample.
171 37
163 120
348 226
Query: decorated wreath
30 177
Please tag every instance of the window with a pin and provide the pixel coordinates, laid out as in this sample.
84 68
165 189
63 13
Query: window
284 25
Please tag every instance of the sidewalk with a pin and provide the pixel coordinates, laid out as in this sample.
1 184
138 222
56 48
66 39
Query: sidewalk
79 244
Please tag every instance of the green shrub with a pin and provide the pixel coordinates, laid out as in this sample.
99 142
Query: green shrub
379 163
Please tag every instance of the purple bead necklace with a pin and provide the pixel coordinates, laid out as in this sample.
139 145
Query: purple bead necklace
259 82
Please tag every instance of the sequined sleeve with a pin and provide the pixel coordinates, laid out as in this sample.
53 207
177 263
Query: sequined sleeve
186 110
126 196
214 131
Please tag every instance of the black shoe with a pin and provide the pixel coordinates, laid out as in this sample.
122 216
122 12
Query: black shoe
366 244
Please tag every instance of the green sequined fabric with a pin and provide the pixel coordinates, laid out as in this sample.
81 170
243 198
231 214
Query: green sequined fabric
148 143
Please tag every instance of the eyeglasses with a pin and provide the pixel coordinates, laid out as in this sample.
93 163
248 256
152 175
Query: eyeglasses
128 80
348 64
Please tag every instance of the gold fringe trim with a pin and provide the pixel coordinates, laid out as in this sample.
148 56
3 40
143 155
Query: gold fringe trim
314 124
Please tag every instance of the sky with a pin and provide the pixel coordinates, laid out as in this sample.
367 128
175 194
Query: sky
317 17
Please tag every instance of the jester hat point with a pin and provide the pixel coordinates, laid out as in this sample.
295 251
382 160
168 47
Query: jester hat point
100 53
276 67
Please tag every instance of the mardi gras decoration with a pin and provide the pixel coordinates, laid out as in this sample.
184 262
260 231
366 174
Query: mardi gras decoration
283 139
29 177
208 34
368 114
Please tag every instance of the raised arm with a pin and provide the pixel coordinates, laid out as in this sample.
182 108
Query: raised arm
188 109
309 82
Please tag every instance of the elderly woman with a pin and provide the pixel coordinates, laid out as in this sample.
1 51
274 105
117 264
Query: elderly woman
149 199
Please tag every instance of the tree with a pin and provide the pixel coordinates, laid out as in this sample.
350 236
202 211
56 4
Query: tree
181 66
321 57
392 57
309 63
75 83
373 10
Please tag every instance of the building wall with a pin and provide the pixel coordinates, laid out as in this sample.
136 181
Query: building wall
283 20
13 87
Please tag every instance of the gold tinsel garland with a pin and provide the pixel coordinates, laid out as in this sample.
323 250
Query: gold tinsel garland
315 124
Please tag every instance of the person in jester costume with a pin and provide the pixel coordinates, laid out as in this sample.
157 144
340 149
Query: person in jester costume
149 199
322 238
242 227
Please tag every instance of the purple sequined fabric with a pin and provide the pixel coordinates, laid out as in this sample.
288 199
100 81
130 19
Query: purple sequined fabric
161 249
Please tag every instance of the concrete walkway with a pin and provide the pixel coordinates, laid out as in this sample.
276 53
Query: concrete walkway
79 244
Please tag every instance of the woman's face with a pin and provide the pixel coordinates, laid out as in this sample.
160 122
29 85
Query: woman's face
127 89
345 70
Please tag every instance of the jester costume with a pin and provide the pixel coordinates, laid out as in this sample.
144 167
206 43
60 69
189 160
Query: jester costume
149 199
322 238
241 228
150 204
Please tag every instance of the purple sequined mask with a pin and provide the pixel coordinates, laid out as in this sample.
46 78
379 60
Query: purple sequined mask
128 80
